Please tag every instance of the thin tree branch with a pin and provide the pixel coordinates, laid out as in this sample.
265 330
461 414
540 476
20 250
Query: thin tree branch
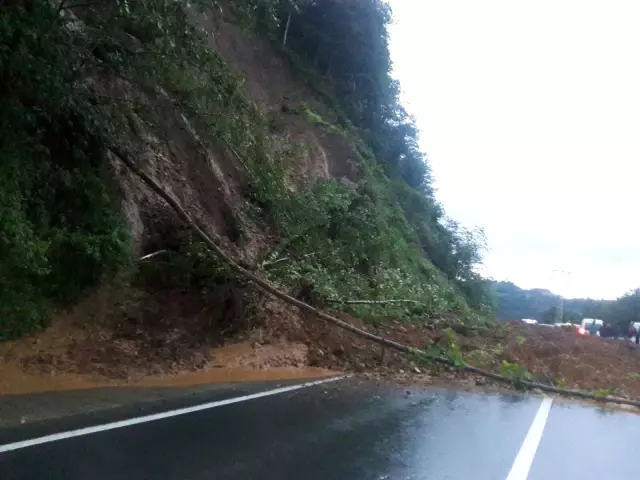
371 302
151 255
265 265
286 30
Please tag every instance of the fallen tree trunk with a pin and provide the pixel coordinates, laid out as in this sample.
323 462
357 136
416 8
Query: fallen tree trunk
266 286
372 302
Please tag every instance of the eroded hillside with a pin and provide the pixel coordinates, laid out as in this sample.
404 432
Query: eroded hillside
297 159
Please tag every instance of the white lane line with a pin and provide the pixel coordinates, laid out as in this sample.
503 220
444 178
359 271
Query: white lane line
524 459
157 416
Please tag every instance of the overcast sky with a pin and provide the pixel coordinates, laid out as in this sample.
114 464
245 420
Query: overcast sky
530 115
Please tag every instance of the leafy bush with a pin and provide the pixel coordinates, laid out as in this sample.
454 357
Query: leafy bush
189 264
515 373
60 230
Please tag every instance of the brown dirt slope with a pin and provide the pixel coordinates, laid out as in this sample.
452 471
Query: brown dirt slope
95 346
552 355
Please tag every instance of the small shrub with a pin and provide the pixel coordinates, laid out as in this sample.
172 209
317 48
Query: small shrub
515 373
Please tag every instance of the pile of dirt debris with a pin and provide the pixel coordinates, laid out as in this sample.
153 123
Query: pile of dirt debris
169 338
92 346
552 356
564 357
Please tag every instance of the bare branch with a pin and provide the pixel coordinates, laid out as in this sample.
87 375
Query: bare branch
151 255
372 302
265 265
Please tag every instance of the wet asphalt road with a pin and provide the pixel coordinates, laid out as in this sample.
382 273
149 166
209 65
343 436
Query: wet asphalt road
344 430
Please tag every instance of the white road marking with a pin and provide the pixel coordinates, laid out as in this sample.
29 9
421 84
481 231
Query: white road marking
524 459
157 416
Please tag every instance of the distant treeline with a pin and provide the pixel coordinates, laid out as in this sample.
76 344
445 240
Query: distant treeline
515 303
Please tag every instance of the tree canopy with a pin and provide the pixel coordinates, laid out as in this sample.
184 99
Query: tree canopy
347 44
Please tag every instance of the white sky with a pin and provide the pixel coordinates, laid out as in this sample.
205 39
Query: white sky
530 115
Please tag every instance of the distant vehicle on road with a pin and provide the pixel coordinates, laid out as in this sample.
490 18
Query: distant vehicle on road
572 326
592 325
530 321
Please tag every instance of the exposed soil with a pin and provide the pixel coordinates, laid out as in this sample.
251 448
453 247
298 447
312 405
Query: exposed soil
552 355
176 339
588 362
171 338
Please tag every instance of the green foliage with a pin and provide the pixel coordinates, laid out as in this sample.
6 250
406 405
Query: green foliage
452 349
78 79
480 358
454 355
497 350
354 243
342 49
604 392
348 243
514 372
317 119
189 265
447 347
450 336
624 312
552 315
559 315
60 230
426 356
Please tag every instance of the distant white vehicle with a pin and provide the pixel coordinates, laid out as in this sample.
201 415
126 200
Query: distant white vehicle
580 329
587 322
636 325
530 321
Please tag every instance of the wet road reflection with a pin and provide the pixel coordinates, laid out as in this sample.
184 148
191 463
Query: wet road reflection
347 430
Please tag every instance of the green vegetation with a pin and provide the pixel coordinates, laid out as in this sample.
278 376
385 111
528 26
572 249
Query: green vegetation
342 48
60 231
187 264
515 373
605 392
81 77
515 303
77 80
559 315
447 347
